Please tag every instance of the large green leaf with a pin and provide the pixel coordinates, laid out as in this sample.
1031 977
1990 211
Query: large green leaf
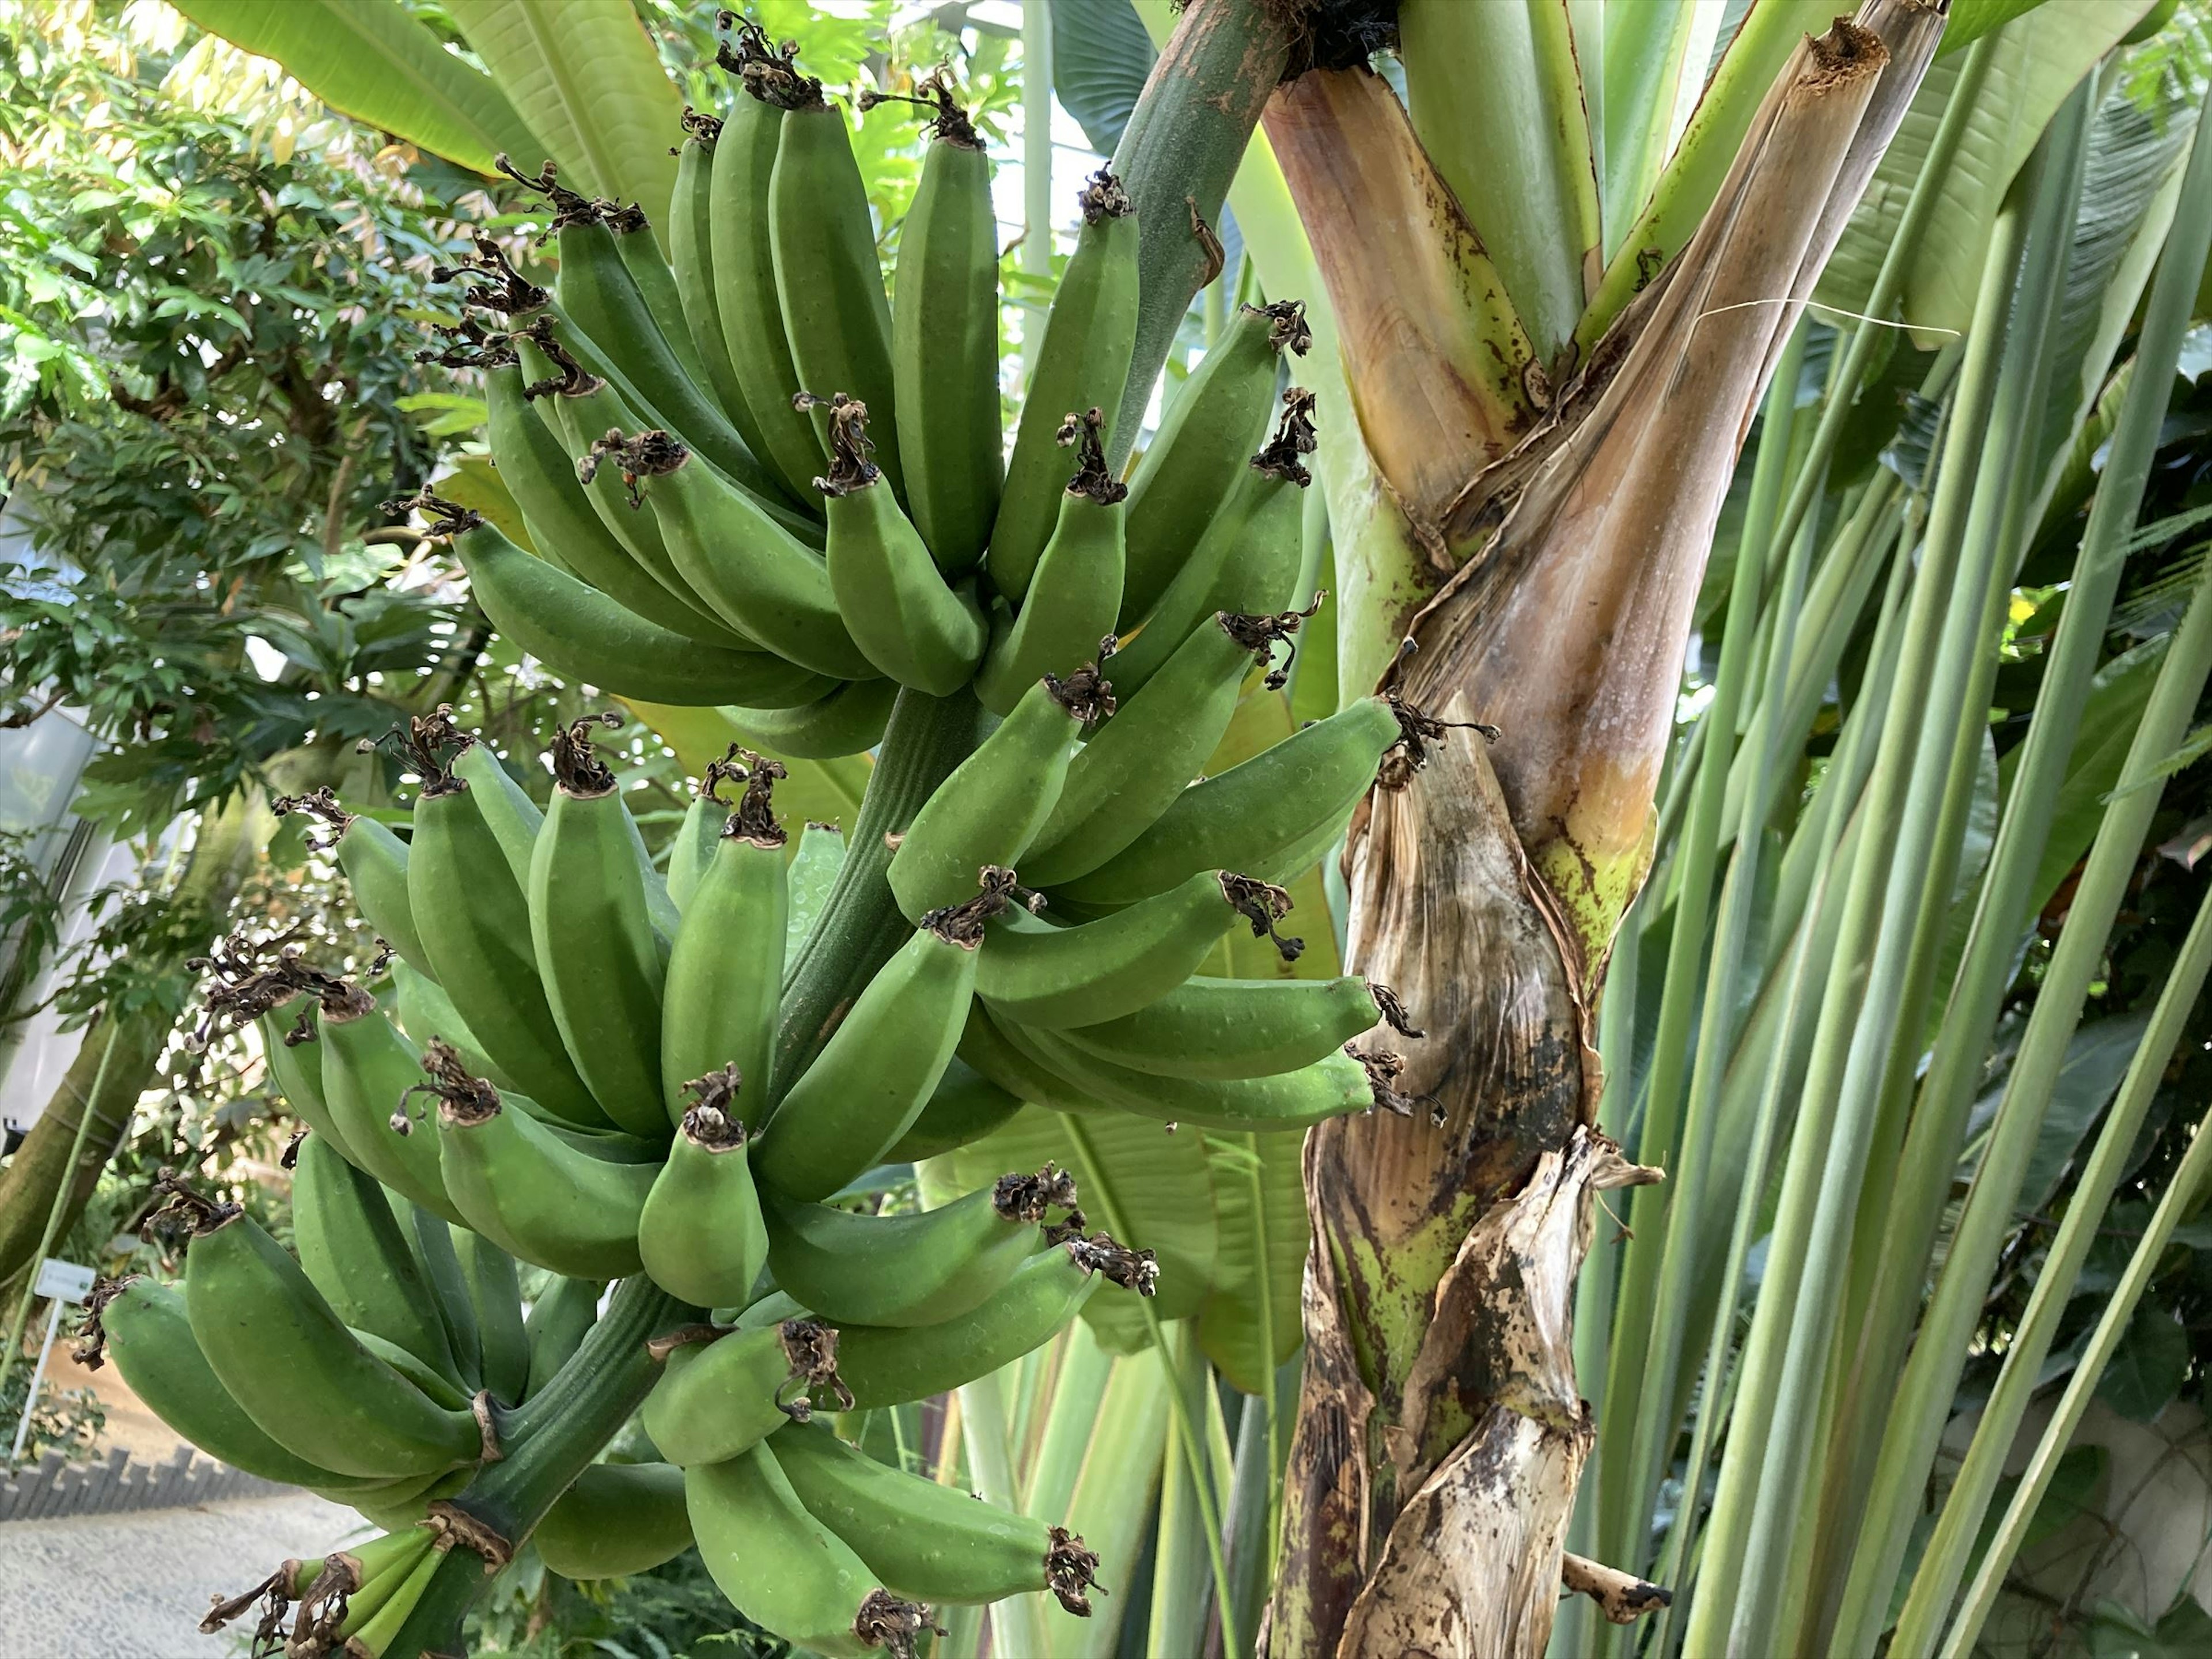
371 60
819 792
2039 60
1257 1185
586 78
1101 56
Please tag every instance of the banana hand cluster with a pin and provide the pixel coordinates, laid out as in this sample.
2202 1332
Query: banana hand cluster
752 479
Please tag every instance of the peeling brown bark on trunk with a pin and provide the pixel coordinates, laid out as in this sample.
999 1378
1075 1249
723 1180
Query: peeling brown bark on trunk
1440 1434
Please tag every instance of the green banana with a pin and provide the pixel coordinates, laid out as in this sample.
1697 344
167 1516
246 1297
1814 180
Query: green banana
907 621
352 1249
474 918
367 1069
400 1504
1083 362
700 1237
1247 559
720 1395
142 1326
990 808
540 473
812 875
376 1635
876 1071
1272 815
912 1269
931 1542
566 1309
1038 974
763 580
984 1048
691 257
945 340
656 285
965 1107
693 848
336 1594
284 1354
785 1570
583 634
513 819
539 1196
828 281
1076 589
441 1390
846 721
1135 765
1337 1084
1239 1028
495 1299
1213 424
618 1520
425 1010
890 1365
726 972
432 1236
745 261
597 957
294 1057
375 865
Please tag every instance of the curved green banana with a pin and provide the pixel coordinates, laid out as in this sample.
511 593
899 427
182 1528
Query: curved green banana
495 1299
1237 1028
765 581
294 1056
809 881
442 1390
513 817
891 1365
476 921
912 1269
876 1071
585 635
432 1236
691 260
990 808
539 1196
367 1069
717 1397
597 956
846 721
540 473
657 287
726 972
618 1520
1246 562
1338 1084
375 865
1038 974
1075 591
143 1325
353 1251
1261 816
785 1570
738 193
927 1541
692 849
965 1107
1212 425
566 1309
425 1010
1082 363
1136 764
282 1352
373 1637
892 597
828 280
701 1236
984 1048
945 341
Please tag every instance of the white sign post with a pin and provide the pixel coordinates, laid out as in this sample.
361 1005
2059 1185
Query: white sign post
62 1282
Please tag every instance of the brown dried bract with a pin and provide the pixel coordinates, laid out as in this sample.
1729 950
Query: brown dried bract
569 207
1263 904
248 982
1287 330
574 381
321 805
1259 633
1294 437
697 124
754 818
851 466
503 288
1103 197
963 924
455 1525
948 123
1026 1198
1393 1012
90 1349
769 72
1085 429
1132 1270
651 453
886 1622
462 1098
1070 1568
200 1215
812 1348
448 519
576 768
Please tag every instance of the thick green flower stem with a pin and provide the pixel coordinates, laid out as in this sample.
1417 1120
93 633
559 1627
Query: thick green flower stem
861 925
547 1444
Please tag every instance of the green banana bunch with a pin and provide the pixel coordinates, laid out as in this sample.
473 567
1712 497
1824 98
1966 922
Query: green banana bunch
618 1519
925 1540
352 1249
913 1269
375 865
337 1603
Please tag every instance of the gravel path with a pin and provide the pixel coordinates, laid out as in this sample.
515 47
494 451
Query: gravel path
134 1586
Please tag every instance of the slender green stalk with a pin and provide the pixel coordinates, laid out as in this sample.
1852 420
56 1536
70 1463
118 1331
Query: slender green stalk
1645 1350
1018 1621
1263 1268
1752 1536
1950 1550
1037 169
1969 1499
1070 1415
1186 1432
